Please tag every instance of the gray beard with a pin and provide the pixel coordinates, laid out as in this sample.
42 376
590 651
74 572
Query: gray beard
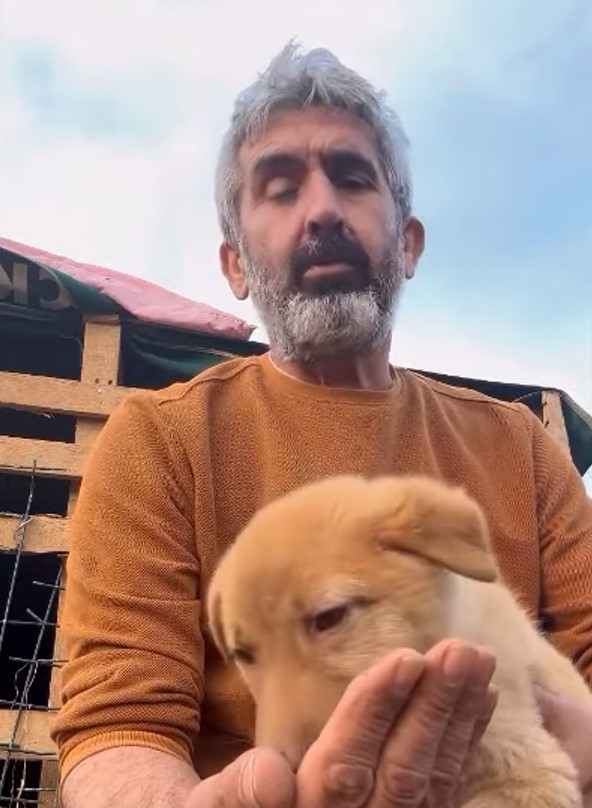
303 327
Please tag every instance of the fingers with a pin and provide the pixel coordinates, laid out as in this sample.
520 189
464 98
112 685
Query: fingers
483 721
467 722
260 778
448 712
338 770
402 732
571 724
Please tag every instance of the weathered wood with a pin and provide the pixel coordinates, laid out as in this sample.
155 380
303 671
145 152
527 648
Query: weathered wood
91 400
49 775
43 534
553 419
31 738
51 458
87 431
73 498
64 396
48 791
100 359
100 366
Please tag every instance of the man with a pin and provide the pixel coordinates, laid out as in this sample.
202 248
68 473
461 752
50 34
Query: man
314 197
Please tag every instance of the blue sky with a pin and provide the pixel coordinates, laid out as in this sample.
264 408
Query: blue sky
111 114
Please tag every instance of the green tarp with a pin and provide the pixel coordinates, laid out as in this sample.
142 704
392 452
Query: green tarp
46 337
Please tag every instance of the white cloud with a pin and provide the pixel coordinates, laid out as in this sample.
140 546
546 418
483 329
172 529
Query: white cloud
147 208
139 209
223 41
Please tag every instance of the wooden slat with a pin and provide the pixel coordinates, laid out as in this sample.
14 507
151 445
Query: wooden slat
49 771
87 431
49 785
100 360
73 498
100 366
44 534
32 734
55 685
51 458
553 419
69 396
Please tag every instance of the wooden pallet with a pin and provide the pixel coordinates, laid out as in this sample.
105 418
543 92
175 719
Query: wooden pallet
90 399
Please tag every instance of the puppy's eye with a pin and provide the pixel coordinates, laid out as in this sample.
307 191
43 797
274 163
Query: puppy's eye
330 618
244 656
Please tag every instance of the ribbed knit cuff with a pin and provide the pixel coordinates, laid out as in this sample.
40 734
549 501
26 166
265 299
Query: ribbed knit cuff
74 755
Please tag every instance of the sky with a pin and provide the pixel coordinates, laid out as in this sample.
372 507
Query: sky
111 115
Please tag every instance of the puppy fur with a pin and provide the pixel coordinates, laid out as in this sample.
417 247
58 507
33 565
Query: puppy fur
326 580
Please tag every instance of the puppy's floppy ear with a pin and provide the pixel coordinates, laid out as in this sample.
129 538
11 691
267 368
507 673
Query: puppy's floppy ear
442 524
215 623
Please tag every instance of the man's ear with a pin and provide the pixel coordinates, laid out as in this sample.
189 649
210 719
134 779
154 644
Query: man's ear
442 524
232 269
413 244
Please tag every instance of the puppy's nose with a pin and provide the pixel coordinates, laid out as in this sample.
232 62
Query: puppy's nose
293 755
288 745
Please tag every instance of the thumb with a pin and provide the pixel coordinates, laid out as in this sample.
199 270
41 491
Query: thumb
260 778
549 707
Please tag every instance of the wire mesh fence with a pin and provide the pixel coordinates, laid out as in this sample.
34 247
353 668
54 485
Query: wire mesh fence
29 590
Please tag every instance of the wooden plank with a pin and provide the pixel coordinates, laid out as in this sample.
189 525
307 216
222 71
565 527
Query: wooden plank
73 498
100 359
553 419
31 737
87 431
51 458
44 534
49 785
68 396
100 366
48 775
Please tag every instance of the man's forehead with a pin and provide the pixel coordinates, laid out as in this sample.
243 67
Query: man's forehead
309 133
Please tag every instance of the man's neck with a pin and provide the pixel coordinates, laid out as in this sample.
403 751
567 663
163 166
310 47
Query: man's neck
368 371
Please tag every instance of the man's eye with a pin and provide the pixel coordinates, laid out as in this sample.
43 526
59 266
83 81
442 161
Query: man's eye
354 182
281 189
329 618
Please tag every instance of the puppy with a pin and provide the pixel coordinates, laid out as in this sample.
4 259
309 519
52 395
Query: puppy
326 580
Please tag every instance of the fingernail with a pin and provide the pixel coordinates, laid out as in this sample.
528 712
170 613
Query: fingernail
456 664
409 669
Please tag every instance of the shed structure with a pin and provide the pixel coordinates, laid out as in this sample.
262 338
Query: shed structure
74 340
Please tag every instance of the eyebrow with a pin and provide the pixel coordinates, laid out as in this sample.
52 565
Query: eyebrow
270 164
339 160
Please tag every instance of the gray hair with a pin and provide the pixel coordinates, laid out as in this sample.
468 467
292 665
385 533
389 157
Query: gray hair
295 81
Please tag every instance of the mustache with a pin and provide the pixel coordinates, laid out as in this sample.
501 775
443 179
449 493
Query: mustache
335 249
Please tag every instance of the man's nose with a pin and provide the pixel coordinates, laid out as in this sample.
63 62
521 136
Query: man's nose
324 214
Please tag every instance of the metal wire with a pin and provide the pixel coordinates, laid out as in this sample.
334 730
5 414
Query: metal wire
18 759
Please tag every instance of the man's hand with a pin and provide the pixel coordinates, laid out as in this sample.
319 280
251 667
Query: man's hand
402 733
399 738
260 778
571 724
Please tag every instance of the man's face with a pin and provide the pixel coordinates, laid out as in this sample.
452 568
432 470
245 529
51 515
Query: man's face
322 248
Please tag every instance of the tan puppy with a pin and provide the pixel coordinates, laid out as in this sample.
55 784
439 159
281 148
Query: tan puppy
326 580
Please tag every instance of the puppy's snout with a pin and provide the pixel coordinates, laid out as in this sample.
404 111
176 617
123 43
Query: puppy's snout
290 714
288 736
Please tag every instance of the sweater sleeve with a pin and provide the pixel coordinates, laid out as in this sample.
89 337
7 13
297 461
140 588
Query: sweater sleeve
565 535
131 609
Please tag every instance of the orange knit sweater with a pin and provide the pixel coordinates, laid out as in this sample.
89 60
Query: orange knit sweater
175 474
